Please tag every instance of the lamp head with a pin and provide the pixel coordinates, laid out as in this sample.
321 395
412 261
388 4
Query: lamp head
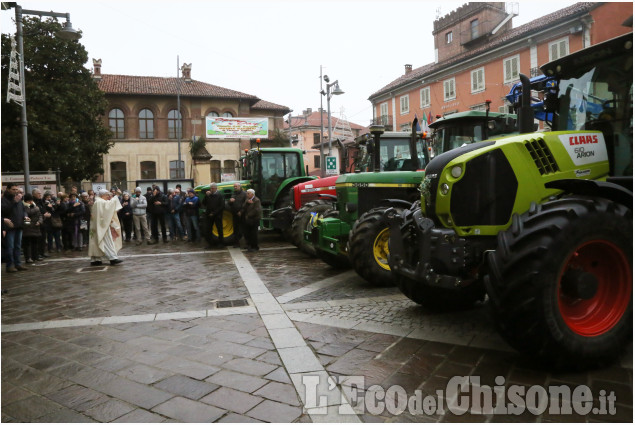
337 90
326 78
68 32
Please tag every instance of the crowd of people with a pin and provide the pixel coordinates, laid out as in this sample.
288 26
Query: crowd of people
37 224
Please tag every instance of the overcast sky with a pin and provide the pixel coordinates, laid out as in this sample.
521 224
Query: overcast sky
270 49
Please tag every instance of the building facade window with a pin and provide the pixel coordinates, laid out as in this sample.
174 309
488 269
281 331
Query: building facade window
404 102
227 115
510 68
215 170
148 169
175 124
474 28
449 92
558 48
118 175
176 169
448 37
383 111
316 161
316 138
425 97
213 115
146 124
478 80
116 123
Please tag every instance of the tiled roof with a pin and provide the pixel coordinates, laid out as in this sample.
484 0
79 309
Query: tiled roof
129 84
509 36
263 104
313 120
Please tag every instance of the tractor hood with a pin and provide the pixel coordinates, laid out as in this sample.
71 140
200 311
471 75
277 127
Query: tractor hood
391 178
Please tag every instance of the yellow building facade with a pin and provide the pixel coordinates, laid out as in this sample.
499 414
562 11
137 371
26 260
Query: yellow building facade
142 116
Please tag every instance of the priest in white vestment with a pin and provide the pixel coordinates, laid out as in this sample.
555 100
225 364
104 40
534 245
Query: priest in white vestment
105 229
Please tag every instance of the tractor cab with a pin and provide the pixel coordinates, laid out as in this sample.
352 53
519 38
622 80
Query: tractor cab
455 130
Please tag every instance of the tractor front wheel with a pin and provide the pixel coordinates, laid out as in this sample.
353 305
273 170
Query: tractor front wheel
229 233
561 282
368 247
302 223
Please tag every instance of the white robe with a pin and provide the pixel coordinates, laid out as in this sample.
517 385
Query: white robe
103 218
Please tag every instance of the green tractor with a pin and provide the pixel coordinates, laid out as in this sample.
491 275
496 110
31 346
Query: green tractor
271 172
542 221
355 233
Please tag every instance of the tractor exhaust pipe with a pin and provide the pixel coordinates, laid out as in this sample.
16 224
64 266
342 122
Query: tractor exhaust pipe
525 112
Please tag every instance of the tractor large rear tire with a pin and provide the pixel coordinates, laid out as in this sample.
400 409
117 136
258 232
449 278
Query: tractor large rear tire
561 281
229 234
368 247
285 200
301 222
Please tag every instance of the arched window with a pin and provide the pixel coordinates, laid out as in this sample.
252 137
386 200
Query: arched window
146 124
227 115
213 114
148 170
175 124
116 123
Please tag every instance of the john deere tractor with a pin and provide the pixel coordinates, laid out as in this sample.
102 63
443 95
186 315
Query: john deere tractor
541 221
271 172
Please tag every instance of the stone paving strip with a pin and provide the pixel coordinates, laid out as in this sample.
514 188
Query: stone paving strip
52 324
389 315
297 357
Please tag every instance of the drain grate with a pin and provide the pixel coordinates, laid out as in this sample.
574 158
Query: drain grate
231 303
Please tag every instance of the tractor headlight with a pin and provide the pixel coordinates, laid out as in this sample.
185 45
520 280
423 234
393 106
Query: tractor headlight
445 189
456 171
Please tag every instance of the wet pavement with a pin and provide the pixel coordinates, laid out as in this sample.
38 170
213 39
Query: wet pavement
177 333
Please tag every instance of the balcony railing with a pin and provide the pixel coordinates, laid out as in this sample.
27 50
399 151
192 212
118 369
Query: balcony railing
385 120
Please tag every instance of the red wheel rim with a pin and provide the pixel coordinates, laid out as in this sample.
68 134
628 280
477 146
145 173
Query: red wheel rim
599 314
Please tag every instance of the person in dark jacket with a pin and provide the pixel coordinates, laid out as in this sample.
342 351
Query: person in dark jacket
214 204
125 216
190 206
251 214
12 223
236 203
159 204
53 226
32 230
74 216
38 201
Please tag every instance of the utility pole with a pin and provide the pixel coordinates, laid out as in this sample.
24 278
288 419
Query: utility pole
178 117
322 169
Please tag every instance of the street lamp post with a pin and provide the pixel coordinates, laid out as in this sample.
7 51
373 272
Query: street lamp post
329 94
66 33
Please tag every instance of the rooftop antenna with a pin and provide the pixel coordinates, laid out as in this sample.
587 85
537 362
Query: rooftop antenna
438 14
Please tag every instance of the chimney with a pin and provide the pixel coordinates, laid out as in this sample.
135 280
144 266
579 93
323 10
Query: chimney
408 69
97 69
309 111
186 69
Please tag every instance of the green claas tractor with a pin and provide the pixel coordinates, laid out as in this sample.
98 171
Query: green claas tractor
271 172
355 232
542 221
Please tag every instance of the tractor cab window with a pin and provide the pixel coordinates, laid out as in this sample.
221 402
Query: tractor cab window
451 137
394 154
277 167
601 98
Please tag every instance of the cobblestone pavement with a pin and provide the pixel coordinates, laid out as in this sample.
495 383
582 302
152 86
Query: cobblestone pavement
179 333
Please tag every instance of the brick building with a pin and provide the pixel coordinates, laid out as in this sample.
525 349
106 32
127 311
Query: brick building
307 128
142 115
479 56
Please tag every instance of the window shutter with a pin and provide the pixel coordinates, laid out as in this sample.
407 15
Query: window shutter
514 69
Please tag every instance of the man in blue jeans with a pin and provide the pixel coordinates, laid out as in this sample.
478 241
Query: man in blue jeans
13 215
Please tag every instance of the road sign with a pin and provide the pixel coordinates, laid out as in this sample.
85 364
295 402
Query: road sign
331 165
